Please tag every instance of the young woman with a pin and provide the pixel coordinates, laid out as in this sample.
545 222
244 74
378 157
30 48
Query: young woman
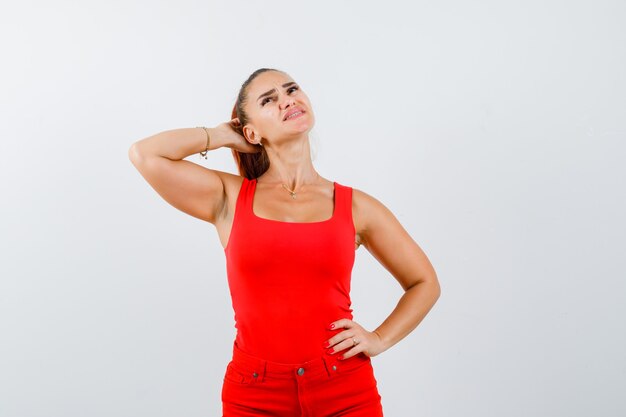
289 237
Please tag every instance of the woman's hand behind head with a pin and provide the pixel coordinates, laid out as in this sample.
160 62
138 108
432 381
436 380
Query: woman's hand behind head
231 134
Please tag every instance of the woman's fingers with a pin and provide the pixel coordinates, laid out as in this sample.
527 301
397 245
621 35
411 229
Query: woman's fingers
343 343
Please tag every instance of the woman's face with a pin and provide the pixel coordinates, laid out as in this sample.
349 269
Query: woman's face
272 96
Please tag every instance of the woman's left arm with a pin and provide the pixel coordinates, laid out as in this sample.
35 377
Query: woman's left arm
383 236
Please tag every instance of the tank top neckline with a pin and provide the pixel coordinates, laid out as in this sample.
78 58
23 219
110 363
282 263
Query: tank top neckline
263 219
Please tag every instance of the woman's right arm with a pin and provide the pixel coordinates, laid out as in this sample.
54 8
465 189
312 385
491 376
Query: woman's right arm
190 187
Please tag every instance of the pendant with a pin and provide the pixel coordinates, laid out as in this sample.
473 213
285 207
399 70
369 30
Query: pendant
293 195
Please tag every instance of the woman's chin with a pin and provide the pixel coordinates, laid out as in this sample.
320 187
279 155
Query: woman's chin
300 127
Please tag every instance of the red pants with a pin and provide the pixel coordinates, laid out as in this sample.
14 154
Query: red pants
321 387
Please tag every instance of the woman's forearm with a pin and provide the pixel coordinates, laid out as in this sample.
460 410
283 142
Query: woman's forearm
413 306
176 144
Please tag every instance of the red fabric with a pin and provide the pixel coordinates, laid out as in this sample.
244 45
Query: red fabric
289 281
321 387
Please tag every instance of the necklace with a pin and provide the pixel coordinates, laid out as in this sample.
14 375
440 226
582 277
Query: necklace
293 192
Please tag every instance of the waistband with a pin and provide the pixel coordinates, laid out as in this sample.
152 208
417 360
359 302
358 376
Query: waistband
325 365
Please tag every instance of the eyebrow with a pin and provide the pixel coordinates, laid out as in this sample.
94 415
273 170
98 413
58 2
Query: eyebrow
273 90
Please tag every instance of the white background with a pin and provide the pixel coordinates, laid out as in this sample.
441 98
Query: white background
494 131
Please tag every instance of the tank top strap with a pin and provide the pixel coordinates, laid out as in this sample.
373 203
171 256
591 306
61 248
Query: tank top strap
343 202
244 199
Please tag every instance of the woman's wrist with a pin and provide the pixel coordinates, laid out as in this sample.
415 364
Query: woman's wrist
217 139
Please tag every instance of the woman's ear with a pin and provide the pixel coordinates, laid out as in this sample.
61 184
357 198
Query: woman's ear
250 135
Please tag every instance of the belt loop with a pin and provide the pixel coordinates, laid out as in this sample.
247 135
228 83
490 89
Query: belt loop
328 365
263 366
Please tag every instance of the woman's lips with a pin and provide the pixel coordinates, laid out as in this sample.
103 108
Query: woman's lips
295 116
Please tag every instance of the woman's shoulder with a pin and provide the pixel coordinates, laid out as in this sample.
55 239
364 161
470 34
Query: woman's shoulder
368 210
363 199
232 182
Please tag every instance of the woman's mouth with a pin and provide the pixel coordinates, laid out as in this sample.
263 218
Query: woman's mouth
294 115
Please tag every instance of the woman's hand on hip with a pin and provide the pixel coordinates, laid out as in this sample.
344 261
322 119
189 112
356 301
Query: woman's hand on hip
367 342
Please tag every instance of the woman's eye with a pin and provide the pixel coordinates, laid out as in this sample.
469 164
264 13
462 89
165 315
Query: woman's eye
268 98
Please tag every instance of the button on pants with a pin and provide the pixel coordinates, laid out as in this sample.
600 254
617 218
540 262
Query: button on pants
321 387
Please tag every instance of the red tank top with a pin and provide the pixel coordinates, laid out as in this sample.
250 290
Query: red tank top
288 281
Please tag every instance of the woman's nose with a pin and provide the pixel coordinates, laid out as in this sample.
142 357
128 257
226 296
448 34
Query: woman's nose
288 101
